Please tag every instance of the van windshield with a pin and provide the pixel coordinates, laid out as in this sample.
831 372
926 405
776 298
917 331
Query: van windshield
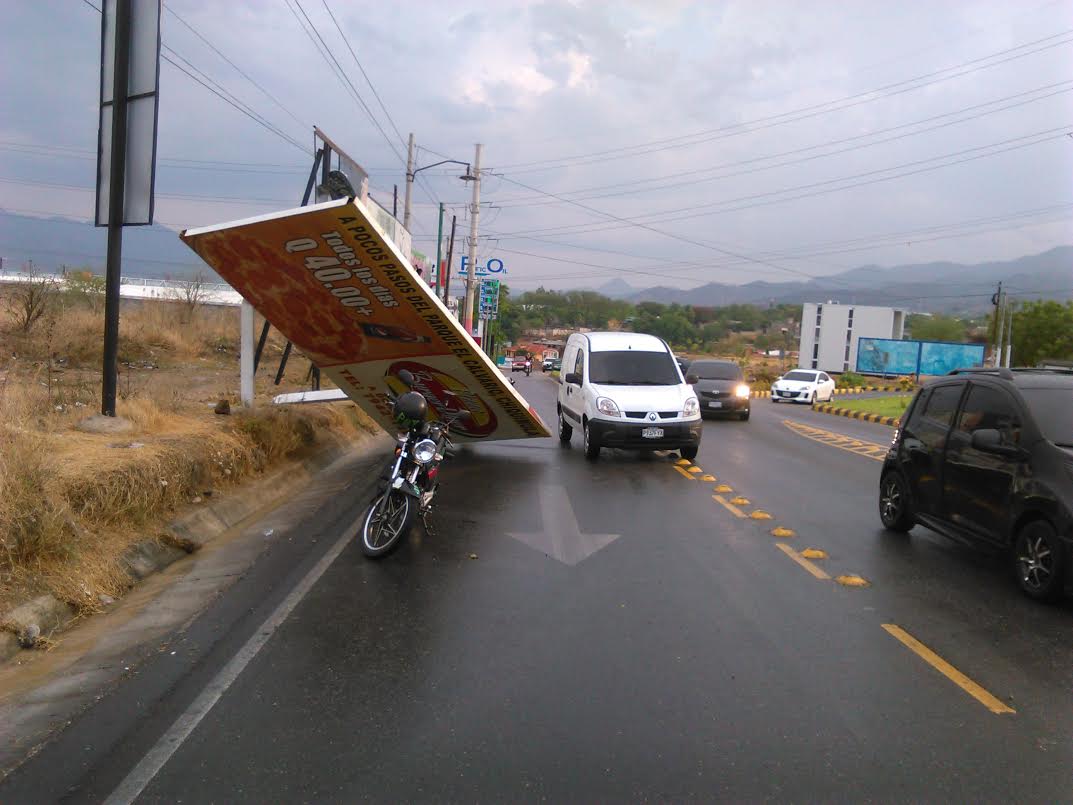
1053 411
633 368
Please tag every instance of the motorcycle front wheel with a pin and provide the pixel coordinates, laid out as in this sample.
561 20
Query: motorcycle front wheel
386 522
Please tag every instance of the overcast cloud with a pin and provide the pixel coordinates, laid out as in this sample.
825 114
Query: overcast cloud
572 96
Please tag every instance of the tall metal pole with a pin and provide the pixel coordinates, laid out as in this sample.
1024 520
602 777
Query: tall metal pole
474 217
409 184
438 270
116 180
450 261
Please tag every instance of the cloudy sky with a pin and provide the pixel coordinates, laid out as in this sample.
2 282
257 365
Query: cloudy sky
661 143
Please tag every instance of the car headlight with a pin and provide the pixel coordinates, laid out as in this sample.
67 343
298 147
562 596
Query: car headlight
607 407
424 451
691 407
741 390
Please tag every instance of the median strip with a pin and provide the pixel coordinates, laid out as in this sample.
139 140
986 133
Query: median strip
988 700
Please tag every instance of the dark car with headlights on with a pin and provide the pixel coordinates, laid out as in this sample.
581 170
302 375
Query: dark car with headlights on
985 457
721 389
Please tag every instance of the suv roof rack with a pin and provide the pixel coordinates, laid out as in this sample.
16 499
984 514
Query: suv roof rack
1001 371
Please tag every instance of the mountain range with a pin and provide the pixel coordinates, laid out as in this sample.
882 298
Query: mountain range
928 287
156 252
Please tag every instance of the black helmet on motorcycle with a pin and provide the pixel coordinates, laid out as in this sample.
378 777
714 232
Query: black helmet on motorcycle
410 409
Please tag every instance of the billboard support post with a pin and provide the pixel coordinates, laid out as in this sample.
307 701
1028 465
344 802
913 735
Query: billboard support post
246 354
450 259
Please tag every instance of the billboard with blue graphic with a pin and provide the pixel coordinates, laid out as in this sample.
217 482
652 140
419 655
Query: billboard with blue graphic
887 356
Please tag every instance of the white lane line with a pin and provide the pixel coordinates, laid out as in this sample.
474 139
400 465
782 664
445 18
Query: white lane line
141 775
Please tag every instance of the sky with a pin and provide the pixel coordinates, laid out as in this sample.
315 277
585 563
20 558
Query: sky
671 143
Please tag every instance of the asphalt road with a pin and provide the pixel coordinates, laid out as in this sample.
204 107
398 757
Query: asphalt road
624 630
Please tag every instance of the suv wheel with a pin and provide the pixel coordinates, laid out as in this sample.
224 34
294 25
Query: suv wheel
565 430
1037 556
592 447
689 453
894 503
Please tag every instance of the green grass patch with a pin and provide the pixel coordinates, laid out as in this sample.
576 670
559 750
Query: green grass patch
884 406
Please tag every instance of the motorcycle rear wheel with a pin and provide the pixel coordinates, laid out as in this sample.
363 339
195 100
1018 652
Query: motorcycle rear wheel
386 522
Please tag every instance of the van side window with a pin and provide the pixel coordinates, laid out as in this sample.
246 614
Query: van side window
579 364
942 404
990 408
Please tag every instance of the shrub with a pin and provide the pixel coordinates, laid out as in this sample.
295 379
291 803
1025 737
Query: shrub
849 380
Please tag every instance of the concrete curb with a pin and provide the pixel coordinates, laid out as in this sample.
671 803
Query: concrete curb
864 416
46 615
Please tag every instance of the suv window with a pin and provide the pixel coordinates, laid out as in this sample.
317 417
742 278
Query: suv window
1053 411
942 403
579 364
990 408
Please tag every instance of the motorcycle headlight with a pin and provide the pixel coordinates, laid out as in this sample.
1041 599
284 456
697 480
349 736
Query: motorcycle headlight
607 407
691 407
424 451
741 390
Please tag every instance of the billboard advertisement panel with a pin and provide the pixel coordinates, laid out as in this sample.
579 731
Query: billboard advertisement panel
879 356
334 284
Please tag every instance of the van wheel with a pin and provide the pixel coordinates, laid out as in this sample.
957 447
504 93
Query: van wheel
894 503
744 417
592 447
1037 556
565 430
689 453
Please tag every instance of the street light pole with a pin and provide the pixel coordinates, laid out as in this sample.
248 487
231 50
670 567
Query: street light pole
474 216
409 184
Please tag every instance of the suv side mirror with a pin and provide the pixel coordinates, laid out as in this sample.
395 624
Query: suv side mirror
990 440
573 377
692 380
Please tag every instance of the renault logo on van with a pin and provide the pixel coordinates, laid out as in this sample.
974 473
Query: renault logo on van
651 416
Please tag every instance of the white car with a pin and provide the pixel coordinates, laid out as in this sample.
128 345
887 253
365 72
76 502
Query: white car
803 385
625 390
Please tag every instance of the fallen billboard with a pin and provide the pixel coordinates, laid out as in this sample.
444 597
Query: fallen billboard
330 280
888 356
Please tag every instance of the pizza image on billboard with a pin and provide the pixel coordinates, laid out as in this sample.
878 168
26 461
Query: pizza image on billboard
329 280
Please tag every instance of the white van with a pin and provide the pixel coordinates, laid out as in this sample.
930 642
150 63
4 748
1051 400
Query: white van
626 390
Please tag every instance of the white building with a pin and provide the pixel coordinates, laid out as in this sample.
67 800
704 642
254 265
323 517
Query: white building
829 333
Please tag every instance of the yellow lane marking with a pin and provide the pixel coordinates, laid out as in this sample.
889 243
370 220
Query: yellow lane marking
853 580
985 698
683 462
683 473
730 507
695 470
779 531
723 488
760 514
842 442
805 563
814 553
709 478
740 501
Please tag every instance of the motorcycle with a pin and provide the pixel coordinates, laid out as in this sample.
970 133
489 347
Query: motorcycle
409 484
528 368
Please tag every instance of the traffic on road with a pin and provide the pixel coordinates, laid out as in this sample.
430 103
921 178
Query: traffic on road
742 621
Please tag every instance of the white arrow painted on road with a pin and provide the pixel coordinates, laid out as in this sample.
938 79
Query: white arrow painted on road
561 538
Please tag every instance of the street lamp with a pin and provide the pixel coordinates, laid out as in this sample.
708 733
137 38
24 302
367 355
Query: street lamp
467 177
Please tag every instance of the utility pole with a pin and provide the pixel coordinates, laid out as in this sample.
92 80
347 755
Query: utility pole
996 326
474 213
450 261
409 184
436 272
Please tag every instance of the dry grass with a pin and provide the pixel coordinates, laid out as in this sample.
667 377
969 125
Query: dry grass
71 502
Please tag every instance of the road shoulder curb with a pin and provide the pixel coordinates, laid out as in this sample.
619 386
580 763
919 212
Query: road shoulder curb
39 619
863 416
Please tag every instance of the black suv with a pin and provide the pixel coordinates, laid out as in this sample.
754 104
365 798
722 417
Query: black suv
986 456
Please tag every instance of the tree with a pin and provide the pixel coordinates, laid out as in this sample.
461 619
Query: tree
936 328
30 299
1043 330
192 294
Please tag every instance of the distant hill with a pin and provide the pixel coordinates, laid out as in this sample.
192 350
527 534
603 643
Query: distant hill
932 287
148 251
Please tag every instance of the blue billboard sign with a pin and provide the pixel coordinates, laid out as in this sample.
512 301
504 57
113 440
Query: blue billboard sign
887 356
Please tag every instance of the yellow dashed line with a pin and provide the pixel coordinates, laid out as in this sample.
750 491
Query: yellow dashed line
818 572
981 695
683 473
730 507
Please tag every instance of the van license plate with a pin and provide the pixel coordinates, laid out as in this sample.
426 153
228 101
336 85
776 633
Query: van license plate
715 405
652 433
